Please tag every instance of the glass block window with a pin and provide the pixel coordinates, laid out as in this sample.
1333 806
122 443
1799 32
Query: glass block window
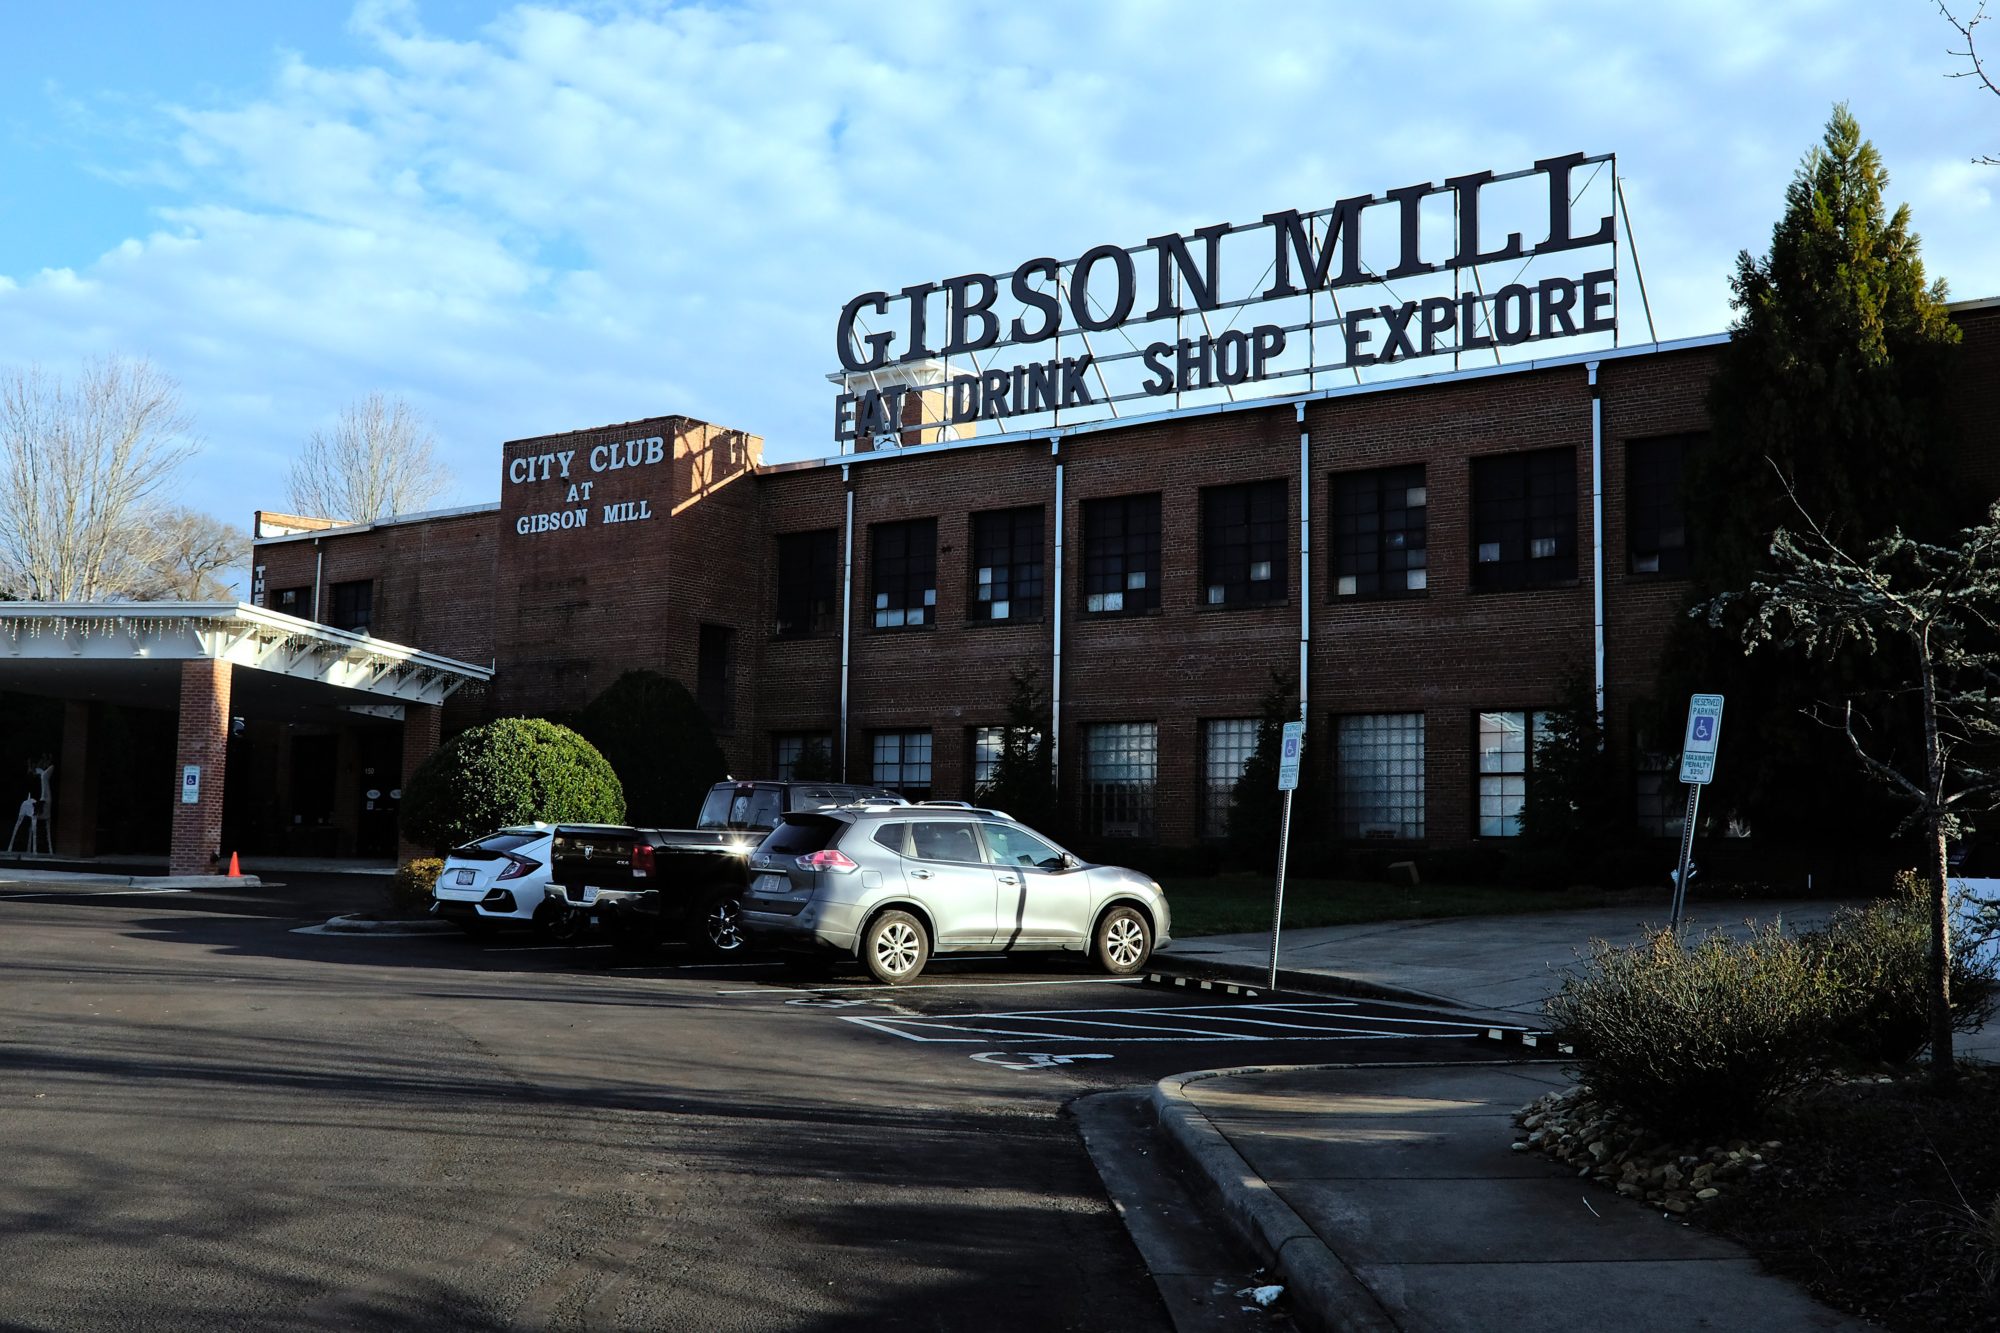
1507 744
788 747
1656 535
1226 746
1378 533
1524 520
1379 775
1121 764
1121 555
1243 544
987 743
1006 565
902 762
808 583
904 582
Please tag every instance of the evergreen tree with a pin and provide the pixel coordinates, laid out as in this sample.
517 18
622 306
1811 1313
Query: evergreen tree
1256 810
1831 385
1569 813
1023 781
815 763
659 741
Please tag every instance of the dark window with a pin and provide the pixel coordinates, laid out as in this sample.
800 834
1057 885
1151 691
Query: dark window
905 577
808 583
788 748
1121 555
293 601
1508 743
1378 533
1006 565
715 674
902 762
352 605
1243 543
1524 520
1655 515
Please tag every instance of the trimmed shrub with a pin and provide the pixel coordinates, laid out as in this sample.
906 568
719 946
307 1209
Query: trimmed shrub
1480 864
1879 954
410 887
1702 1036
513 771
659 742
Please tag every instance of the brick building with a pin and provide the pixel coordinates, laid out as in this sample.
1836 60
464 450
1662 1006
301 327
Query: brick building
1434 559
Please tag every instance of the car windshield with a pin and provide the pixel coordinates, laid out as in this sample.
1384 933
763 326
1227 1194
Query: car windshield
745 806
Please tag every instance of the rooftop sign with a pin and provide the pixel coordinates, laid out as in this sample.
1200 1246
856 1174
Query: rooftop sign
1166 319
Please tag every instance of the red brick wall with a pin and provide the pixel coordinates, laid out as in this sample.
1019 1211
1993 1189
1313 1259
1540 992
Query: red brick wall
204 740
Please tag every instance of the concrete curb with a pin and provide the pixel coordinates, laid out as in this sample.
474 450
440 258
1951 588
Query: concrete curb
87 879
1325 983
1324 1294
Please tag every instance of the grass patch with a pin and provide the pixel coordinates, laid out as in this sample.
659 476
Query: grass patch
1238 904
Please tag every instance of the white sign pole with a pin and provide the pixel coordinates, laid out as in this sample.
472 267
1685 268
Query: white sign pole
1698 746
1291 747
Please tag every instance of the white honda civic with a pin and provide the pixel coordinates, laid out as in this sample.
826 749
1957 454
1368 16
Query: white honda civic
502 880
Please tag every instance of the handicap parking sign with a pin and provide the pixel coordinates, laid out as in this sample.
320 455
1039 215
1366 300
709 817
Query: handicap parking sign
1704 731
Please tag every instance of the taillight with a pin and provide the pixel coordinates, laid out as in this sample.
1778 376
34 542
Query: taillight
827 860
517 866
642 860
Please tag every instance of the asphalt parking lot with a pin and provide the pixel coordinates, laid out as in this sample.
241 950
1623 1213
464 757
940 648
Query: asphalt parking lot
220 1119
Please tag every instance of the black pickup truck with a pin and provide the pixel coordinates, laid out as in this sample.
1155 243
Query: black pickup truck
644 887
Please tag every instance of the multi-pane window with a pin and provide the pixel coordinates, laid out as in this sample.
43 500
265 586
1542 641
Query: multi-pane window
1524 520
1226 746
1006 565
1655 513
715 674
902 762
1378 532
293 601
1659 800
808 583
1243 543
1121 764
905 572
1379 775
988 745
1507 743
351 606
789 747
1121 555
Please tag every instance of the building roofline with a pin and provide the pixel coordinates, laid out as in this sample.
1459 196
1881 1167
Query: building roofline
394 520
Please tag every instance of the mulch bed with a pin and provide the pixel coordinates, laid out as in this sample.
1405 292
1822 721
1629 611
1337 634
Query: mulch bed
1882 1202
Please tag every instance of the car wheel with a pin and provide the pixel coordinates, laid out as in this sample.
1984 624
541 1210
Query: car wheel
895 948
559 923
719 931
1124 941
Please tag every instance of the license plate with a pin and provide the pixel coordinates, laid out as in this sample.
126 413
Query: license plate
771 886
465 876
587 895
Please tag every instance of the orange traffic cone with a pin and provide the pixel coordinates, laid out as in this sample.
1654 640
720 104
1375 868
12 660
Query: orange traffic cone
235 872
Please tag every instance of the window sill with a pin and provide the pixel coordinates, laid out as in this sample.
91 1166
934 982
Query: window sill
1208 608
1412 595
902 629
1013 621
1119 615
1545 585
827 634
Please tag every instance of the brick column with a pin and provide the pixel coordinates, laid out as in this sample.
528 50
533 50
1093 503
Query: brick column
76 785
420 741
204 740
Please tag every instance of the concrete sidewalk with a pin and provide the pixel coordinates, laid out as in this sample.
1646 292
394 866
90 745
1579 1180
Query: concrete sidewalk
1390 1198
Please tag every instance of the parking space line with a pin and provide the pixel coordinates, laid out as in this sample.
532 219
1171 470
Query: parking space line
944 985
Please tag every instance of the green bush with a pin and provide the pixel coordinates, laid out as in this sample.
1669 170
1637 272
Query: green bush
659 743
1700 1036
1880 955
513 771
410 887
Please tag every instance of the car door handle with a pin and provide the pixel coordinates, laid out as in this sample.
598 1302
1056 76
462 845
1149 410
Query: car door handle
920 874
1010 879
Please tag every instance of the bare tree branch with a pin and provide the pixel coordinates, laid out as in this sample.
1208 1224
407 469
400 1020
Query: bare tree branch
380 459
83 468
1966 29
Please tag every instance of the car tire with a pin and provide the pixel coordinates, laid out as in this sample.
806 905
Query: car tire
718 928
559 923
1123 942
895 948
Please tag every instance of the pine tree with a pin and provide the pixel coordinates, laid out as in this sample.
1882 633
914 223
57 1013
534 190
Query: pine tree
1255 808
1023 781
1831 385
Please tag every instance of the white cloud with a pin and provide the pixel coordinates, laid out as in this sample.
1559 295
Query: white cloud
591 213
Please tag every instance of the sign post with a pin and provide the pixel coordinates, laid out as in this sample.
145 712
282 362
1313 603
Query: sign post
1704 733
1290 749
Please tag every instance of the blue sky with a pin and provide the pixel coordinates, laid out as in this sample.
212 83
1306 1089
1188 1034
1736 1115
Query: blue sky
532 218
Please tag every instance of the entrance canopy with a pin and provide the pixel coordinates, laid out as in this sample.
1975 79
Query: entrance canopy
131 653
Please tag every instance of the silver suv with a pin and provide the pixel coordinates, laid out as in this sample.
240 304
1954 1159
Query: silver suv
893 885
